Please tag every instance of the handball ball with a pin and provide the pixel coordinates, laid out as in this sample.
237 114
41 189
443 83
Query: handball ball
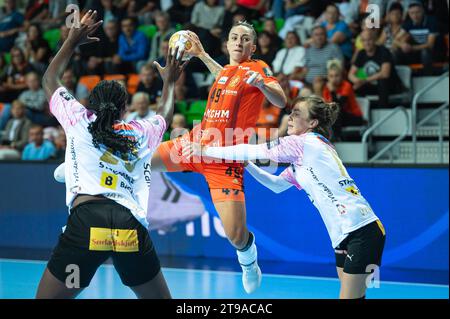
181 41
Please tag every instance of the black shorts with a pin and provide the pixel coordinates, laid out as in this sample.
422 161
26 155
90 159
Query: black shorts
362 248
97 230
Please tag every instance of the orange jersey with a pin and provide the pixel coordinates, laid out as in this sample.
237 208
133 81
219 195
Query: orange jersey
232 103
345 90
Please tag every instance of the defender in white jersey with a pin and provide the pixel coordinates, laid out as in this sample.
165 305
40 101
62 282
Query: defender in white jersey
356 233
107 179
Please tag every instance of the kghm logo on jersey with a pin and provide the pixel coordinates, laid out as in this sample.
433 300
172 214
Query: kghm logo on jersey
217 114
350 186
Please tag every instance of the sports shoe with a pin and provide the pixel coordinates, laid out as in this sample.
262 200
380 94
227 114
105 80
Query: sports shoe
251 277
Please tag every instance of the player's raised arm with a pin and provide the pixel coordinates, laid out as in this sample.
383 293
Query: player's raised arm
170 73
198 51
78 35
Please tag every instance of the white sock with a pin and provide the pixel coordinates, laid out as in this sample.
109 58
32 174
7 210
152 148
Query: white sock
249 254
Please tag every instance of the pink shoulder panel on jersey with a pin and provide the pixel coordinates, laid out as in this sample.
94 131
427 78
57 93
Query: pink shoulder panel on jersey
153 127
67 110
287 149
288 175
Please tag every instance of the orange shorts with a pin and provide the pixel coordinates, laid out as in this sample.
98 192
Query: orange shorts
225 180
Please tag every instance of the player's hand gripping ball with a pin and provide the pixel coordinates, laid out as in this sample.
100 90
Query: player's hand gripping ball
179 39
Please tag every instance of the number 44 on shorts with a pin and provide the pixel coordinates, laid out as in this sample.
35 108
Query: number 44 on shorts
227 191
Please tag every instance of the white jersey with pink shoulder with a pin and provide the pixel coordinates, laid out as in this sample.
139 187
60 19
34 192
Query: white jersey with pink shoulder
316 168
124 178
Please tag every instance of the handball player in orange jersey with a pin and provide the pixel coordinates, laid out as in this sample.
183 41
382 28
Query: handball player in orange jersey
233 107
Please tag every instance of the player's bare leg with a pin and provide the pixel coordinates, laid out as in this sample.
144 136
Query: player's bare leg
155 288
52 288
353 286
233 216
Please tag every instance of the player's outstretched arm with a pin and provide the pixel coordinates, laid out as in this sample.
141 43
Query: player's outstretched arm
243 152
170 73
275 183
78 35
240 152
198 51
287 149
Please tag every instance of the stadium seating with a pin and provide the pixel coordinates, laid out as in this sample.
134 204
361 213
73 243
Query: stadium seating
279 23
437 94
90 81
52 37
114 77
148 30
404 72
132 83
195 111
181 107
7 57
364 104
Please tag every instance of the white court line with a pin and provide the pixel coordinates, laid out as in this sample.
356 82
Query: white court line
223 272
304 277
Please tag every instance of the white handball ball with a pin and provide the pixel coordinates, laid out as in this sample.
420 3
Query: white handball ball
59 173
181 41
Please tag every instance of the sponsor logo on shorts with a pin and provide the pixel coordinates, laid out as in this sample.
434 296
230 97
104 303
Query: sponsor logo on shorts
118 240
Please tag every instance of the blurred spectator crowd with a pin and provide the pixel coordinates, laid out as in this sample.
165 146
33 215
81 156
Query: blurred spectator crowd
334 49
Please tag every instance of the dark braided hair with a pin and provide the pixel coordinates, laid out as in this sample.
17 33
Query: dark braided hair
108 100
